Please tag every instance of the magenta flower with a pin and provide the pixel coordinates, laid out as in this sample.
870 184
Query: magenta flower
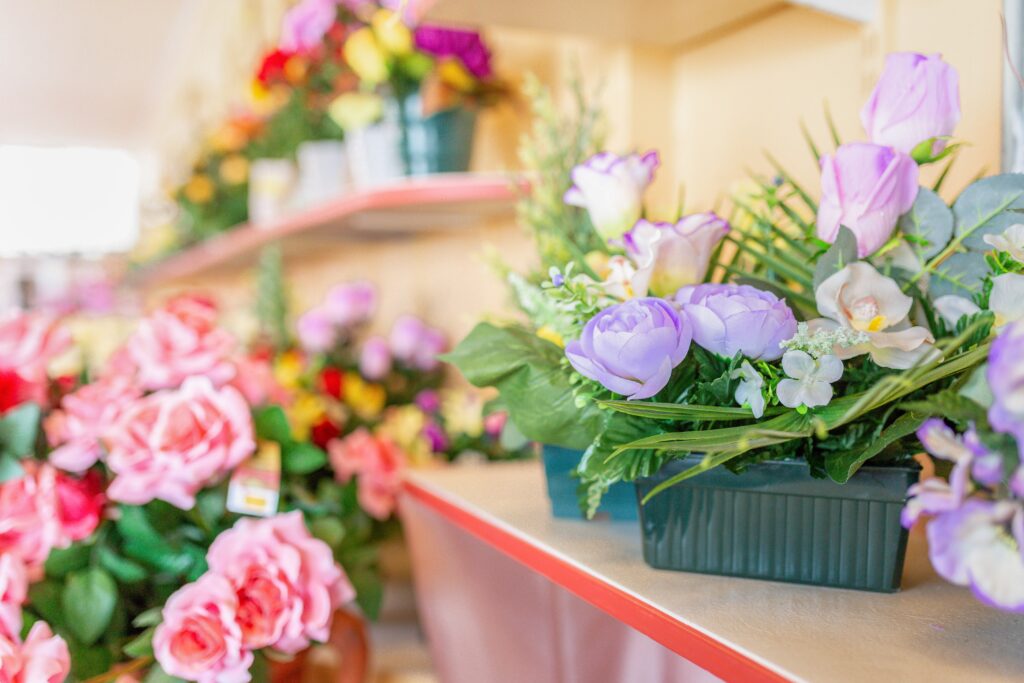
305 24
917 98
466 46
865 187
729 318
632 347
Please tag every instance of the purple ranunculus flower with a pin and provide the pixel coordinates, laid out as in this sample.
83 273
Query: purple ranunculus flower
350 304
417 344
1006 378
632 347
375 358
917 98
611 188
730 318
671 255
865 187
305 24
466 46
980 545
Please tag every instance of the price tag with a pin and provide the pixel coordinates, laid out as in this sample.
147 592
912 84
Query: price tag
255 486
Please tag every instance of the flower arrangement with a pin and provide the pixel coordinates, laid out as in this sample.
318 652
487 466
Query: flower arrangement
121 543
800 329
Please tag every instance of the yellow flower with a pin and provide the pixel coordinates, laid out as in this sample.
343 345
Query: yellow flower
454 74
547 332
355 110
234 169
462 412
305 411
404 425
365 56
227 138
365 398
288 369
199 189
391 32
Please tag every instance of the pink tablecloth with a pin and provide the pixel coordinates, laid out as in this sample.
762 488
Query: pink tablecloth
490 619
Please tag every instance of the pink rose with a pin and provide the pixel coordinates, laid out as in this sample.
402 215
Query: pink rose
254 378
199 639
179 341
80 504
42 658
84 415
379 464
170 444
287 584
28 342
13 593
29 518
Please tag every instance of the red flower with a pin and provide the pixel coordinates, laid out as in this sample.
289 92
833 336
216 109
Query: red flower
15 390
323 432
80 503
332 382
272 68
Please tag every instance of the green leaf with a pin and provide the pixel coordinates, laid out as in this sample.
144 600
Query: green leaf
528 372
141 646
211 505
44 597
302 458
87 662
272 424
369 590
843 465
842 253
709 462
683 411
928 224
123 569
144 543
18 430
330 530
961 274
62 561
151 617
88 600
157 675
987 207
10 467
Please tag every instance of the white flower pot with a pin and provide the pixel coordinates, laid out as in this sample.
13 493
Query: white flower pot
271 182
323 171
375 154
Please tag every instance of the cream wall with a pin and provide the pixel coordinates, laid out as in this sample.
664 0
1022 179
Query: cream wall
710 107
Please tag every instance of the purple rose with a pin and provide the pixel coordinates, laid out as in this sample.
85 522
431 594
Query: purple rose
632 347
466 46
916 99
350 304
1006 379
728 318
304 25
865 187
416 344
611 188
375 358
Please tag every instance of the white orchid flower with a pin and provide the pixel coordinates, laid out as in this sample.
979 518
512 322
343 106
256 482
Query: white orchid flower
749 391
811 383
858 297
952 307
1011 241
1007 298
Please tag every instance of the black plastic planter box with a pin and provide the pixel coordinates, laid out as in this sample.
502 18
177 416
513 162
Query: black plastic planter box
777 522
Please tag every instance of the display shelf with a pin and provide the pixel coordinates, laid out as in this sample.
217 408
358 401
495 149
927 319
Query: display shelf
439 202
737 629
664 23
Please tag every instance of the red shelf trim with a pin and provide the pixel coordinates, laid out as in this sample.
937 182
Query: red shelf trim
442 189
696 646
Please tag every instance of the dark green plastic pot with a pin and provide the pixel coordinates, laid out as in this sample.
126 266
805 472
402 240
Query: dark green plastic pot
776 522
618 504
439 143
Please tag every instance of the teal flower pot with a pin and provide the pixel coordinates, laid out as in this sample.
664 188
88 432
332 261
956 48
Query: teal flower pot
776 522
439 143
618 504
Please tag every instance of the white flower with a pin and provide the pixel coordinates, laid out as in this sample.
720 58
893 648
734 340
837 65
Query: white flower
749 391
952 307
811 385
1011 241
861 298
1007 298
672 255
611 189
822 341
623 281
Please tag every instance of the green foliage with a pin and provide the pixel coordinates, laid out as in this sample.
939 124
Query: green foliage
272 424
842 253
88 601
844 464
928 226
534 385
272 299
19 430
302 458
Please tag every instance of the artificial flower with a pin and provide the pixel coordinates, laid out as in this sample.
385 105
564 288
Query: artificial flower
350 304
632 347
199 638
306 410
622 280
304 25
367 399
952 307
463 412
1010 240
375 358
611 189
391 32
288 369
728 319
366 57
935 495
464 45
316 330
1005 376
356 110
809 381
75 429
866 188
916 99
377 461
331 381
750 390
417 344
234 169
672 255
29 341
13 594
860 298
42 658
199 189
1006 299
548 333
15 390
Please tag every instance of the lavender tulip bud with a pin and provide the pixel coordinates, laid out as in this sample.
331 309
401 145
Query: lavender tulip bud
671 255
611 189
